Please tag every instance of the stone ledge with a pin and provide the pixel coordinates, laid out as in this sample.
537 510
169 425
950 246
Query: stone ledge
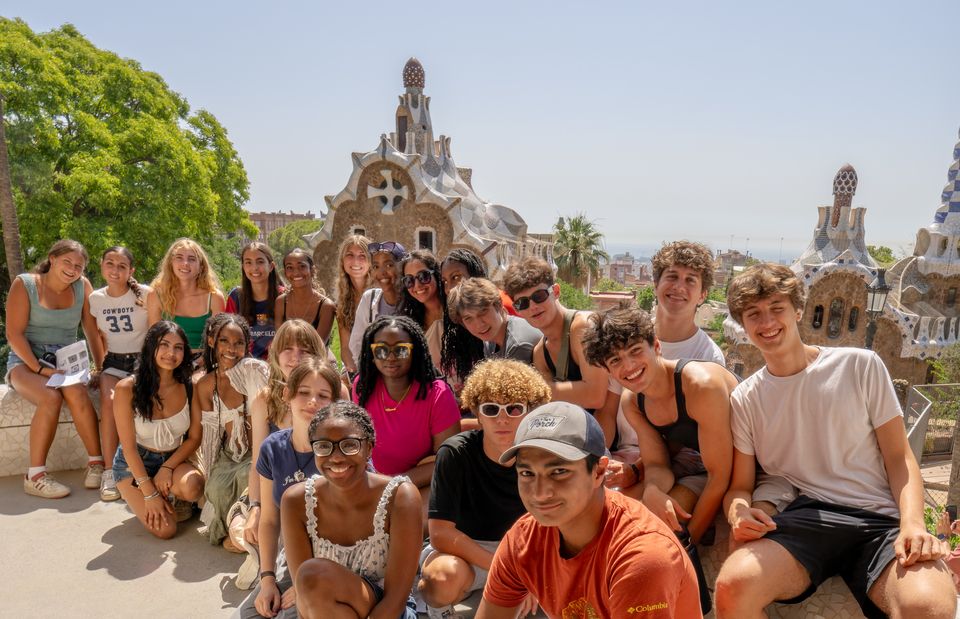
66 453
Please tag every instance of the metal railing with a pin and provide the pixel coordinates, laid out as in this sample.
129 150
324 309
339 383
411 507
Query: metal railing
931 417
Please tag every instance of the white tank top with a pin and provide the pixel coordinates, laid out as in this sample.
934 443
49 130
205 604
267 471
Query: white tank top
120 319
163 434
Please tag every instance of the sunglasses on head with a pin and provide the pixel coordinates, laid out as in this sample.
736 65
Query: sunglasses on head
349 446
522 303
492 409
382 351
386 246
424 277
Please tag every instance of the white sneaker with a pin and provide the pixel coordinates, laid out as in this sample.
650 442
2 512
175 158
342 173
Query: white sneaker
93 476
248 572
108 487
45 486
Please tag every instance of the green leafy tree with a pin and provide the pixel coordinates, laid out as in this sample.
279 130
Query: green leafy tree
646 297
605 284
290 236
578 250
224 254
573 298
882 254
106 153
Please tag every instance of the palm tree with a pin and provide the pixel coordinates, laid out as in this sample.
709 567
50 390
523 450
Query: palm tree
8 210
578 250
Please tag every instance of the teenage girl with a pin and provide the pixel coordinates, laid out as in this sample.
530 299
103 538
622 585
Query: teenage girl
121 314
159 432
424 299
185 291
256 297
287 458
44 309
385 258
304 299
352 281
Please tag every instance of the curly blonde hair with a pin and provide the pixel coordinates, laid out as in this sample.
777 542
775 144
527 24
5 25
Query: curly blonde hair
347 297
504 380
294 331
165 283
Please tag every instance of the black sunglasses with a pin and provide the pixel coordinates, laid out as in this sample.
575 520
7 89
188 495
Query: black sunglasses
424 277
522 303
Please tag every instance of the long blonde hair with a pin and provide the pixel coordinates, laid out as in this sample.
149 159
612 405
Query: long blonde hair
165 283
294 331
347 297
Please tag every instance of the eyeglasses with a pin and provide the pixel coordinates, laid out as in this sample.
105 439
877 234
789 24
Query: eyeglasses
522 303
492 409
349 446
424 277
382 351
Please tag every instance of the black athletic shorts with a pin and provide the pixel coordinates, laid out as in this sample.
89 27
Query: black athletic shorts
829 539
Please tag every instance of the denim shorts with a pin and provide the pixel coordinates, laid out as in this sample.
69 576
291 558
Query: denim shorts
13 360
410 612
152 461
123 362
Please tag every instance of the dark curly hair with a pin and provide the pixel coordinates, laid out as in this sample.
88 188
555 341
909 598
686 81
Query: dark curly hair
146 377
461 351
421 367
344 409
616 329
410 306
212 329
470 261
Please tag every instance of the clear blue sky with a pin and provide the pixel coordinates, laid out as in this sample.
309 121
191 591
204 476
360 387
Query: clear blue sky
695 120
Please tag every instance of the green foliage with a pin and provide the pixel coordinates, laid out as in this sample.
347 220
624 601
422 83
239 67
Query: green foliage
106 153
573 298
946 369
930 517
224 254
715 329
578 249
608 285
882 254
290 236
646 297
335 343
717 294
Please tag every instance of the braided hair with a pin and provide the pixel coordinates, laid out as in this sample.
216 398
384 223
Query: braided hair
211 331
421 367
344 409
461 350
146 377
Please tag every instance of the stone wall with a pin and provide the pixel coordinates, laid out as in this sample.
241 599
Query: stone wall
938 288
887 343
852 293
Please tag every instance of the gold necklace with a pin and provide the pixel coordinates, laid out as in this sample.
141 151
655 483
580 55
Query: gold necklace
387 408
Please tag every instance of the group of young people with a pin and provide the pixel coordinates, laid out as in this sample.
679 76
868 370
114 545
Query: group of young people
479 435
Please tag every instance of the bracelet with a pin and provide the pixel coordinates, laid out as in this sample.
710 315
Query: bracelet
169 468
254 504
267 573
140 480
156 493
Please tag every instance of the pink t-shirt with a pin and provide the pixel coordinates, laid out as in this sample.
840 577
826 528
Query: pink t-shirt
405 436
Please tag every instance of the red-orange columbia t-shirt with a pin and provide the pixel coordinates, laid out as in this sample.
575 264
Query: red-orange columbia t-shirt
634 568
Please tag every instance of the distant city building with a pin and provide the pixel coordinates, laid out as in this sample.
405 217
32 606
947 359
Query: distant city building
409 189
727 264
627 269
268 222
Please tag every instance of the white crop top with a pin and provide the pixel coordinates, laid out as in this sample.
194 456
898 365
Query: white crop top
163 434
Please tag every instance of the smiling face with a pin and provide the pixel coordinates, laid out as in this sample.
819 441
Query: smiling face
392 366
169 352
312 394
115 268
484 323
67 267
289 357
423 292
339 469
633 367
555 491
771 323
355 263
384 269
679 290
230 346
298 271
256 266
539 314
185 264
452 273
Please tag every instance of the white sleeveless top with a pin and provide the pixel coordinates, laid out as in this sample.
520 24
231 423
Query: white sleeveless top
163 434
368 557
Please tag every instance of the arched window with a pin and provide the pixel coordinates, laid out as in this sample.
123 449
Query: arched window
835 318
854 318
817 317
951 297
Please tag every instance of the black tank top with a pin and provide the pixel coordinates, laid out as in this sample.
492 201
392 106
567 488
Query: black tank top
684 432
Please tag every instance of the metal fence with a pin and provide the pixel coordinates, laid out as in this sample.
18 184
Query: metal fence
930 415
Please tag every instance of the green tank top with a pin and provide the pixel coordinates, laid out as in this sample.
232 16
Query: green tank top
47 326
193 325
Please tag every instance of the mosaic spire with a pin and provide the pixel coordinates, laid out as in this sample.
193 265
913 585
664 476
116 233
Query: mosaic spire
950 199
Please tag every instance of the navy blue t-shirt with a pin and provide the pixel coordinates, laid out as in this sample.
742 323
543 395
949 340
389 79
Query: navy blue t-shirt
279 462
262 329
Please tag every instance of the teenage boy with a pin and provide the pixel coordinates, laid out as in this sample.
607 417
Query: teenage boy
681 413
682 277
559 355
582 551
829 421
477 305
474 498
